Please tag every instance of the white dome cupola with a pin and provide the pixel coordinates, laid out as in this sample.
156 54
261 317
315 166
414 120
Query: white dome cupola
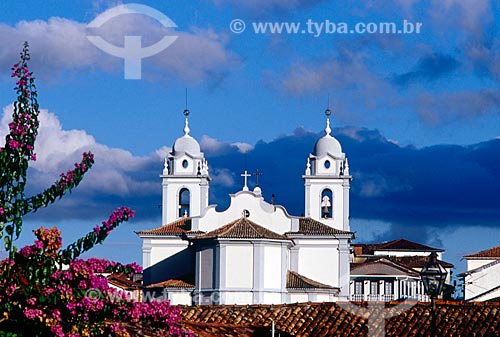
186 143
327 144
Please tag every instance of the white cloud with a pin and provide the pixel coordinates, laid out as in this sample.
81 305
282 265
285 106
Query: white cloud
346 70
60 44
57 149
214 147
243 147
222 177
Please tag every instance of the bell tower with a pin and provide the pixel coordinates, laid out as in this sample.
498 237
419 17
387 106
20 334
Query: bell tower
327 182
185 179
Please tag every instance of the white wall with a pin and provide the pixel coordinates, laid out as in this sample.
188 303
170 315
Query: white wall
180 297
481 281
237 297
272 298
319 260
473 264
239 266
301 297
298 298
156 250
272 267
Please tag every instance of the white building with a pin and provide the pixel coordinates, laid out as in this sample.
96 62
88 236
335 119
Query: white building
482 278
253 252
390 271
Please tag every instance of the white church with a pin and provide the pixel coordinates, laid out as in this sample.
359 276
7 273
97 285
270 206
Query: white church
253 252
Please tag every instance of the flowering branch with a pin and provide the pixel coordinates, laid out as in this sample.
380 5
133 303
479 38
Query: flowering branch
99 234
18 150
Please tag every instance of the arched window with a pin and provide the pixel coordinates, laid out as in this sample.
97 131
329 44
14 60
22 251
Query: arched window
184 202
327 204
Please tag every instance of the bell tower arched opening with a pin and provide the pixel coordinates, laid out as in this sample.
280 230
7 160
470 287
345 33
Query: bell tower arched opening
326 203
184 202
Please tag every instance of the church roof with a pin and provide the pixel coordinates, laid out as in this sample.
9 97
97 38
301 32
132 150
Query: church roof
308 226
177 227
296 281
492 253
396 245
186 144
178 284
241 229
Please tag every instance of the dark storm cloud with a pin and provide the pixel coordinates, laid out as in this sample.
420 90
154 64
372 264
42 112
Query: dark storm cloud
408 187
432 186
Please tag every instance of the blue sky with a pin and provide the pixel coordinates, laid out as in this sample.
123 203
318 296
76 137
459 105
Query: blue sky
417 114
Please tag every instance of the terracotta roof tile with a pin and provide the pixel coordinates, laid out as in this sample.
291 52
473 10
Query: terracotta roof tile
331 319
493 253
241 228
178 227
381 266
400 244
416 261
296 281
411 262
171 284
403 244
308 226
121 280
364 248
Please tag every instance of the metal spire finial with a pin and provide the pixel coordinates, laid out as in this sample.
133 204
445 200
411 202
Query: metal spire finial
186 113
328 112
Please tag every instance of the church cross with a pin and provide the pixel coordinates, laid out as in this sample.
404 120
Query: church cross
257 174
246 175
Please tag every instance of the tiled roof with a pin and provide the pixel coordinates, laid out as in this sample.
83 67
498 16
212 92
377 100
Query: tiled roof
171 284
331 319
308 226
364 248
416 261
177 227
493 253
241 229
121 280
400 244
296 281
381 266
403 244
479 319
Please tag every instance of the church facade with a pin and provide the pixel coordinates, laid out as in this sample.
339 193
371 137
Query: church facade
253 252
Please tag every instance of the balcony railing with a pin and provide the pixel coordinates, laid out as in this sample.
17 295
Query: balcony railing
387 298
